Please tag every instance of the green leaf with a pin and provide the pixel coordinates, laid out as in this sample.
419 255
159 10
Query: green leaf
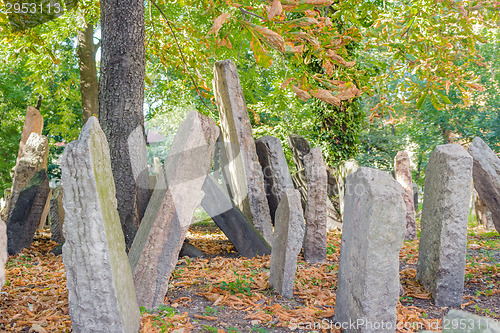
422 98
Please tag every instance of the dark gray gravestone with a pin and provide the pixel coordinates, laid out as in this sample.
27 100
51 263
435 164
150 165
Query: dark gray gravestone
56 216
242 234
27 212
275 169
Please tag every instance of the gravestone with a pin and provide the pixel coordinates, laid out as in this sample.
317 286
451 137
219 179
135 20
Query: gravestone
372 235
275 169
33 123
101 291
486 174
458 321
241 233
288 236
26 214
316 208
243 171
3 252
443 238
57 215
300 147
158 241
403 176
33 159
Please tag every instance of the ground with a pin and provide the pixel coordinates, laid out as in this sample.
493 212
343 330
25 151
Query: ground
226 293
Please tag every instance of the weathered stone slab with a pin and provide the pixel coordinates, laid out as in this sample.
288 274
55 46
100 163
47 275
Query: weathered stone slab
244 173
458 321
288 236
372 236
316 207
33 159
57 215
33 123
300 148
241 233
156 247
486 174
3 251
25 216
443 239
275 169
403 176
99 279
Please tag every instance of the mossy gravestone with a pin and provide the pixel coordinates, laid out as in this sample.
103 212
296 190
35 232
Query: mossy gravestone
99 279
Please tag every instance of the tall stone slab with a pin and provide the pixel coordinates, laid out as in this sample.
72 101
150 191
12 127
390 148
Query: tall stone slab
3 251
483 214
288 236
158 241
300 147
33 123
443 238
25 216
244 173
316 207
33 159
275 169
403 176
486 174
45 213
99 279
56 215
372 235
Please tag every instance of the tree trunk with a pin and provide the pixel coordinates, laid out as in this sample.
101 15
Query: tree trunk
88 72
121 94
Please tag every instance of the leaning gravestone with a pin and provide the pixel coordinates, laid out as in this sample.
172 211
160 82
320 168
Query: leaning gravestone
3 251
316 207
443 239
158 241
241 233
56 215
243 170
33 159
486 174
403 176
275 169
33 123
288 235
45 212
25 216
99 279
372 235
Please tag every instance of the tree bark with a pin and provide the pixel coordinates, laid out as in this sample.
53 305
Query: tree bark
121 94
88 73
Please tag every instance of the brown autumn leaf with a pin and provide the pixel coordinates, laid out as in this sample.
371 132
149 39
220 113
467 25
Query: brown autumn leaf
326 96
447 86
290 48
302 94
218 22
328 67
349 93
276 40
337 58
274 10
